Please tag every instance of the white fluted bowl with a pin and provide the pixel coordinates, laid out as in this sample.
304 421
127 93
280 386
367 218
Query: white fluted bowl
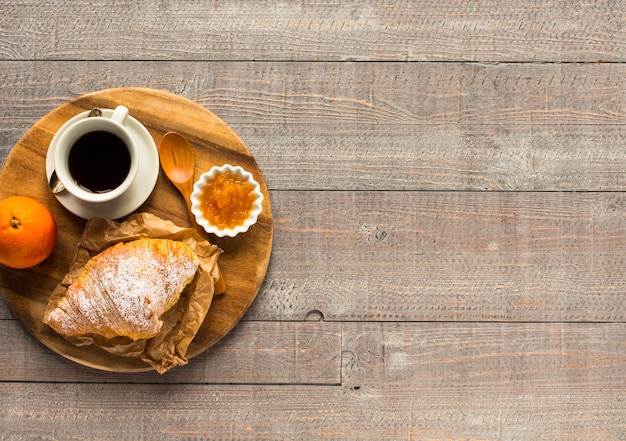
207 178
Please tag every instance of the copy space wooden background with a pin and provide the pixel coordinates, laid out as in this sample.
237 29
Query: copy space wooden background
448 193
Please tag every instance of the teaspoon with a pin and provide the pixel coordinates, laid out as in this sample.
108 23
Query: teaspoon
177 161
56 186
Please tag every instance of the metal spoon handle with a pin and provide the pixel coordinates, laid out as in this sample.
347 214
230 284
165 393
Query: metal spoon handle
56 186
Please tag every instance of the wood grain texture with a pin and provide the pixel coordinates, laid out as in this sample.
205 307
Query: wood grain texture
474 356
523 256
447 185
378 126
359 95
528 30
253 353
504 381
208 412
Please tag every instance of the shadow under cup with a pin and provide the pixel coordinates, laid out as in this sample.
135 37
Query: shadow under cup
96 159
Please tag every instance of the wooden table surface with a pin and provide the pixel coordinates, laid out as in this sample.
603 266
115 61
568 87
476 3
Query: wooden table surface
448 190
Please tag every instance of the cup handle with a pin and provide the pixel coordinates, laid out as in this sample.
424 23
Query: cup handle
119 114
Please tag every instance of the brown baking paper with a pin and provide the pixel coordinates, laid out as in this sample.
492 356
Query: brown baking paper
181 322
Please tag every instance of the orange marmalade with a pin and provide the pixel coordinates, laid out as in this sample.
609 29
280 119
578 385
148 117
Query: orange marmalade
226 201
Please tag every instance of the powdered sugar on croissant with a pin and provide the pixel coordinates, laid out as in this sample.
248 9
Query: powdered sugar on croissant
124 290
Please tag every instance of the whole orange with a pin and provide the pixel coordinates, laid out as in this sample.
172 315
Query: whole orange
28 232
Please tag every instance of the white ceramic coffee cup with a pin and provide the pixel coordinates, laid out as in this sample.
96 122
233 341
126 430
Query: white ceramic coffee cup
114 124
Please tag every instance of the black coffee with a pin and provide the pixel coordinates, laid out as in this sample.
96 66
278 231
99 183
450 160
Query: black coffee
99 161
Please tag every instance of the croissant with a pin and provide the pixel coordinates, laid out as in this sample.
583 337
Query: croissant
124 290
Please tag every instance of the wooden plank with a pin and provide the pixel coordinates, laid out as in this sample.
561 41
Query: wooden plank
440 256
423 256
504 381
253 353
476 356
463 157
347 126
357 95
529 30
167 412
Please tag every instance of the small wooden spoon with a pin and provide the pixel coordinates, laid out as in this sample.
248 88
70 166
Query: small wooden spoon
178 163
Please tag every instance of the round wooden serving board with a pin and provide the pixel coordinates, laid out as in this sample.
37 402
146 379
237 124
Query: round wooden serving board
244 260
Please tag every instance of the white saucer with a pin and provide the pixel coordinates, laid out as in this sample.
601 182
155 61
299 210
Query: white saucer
141 188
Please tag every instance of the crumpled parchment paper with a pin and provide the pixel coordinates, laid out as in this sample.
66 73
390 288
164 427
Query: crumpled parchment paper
181 323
